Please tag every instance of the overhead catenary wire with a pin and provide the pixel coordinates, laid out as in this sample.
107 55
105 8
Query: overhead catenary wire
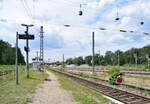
26 9
117 12
104 29
141 13
30 14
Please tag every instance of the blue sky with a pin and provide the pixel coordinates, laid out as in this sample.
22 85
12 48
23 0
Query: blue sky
76 40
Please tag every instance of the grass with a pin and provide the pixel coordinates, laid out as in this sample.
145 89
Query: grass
138 81
80 93
128 67
10 93
7 68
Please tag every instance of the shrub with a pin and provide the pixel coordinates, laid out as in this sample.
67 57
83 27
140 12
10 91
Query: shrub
113 75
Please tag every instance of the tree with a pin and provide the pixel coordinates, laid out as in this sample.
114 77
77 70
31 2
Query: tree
109 57
79 61
88 60
7 54
69 61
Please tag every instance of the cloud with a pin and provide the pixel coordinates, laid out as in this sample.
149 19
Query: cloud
54 42
75 40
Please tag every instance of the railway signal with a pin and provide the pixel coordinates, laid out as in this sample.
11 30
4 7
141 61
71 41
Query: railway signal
26 37
29 37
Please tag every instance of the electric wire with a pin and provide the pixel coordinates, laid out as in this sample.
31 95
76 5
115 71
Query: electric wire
24 6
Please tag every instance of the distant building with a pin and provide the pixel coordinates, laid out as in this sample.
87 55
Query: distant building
36 65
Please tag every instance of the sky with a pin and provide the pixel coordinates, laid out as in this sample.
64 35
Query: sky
76 40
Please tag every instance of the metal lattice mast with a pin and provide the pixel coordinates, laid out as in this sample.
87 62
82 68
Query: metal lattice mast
41 46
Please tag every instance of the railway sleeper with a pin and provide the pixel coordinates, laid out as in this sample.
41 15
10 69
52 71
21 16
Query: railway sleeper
123 96
129 99
112 91
137 101
143 102
117 94
105 88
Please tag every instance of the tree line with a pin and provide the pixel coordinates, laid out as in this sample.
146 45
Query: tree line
114 58
8 54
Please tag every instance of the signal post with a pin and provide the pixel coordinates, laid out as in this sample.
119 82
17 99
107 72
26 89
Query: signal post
26 37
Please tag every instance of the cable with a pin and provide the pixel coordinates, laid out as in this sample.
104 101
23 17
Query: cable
28 8
104 29
141 17
22 2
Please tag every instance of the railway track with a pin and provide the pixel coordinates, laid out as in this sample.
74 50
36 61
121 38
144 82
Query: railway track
128 85
122 96
106 70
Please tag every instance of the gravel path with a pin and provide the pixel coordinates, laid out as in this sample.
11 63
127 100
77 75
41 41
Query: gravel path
51 93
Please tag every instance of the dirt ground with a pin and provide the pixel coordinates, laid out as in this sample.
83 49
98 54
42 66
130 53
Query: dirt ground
51 93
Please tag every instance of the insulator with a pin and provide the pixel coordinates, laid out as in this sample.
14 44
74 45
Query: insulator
67 25
123 31
142 23
117 18
146 33
131 31
102 28
80 13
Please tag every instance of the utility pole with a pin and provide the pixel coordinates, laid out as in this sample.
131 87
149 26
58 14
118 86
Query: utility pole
148 60
41 47
63 61
99 58
148 63
93 54
17 81
118 58
27 48
37 57
136 59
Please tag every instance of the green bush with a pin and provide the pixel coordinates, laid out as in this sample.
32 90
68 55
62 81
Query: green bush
113 75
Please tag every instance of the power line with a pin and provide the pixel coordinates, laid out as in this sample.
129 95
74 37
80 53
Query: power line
104 29
23 4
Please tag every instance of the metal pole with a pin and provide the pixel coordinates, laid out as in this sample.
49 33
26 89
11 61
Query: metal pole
17 81
148 64
27 48
135 56
63 61
27 45
136 62
99 59
37 57
118 59
93 52
41 47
